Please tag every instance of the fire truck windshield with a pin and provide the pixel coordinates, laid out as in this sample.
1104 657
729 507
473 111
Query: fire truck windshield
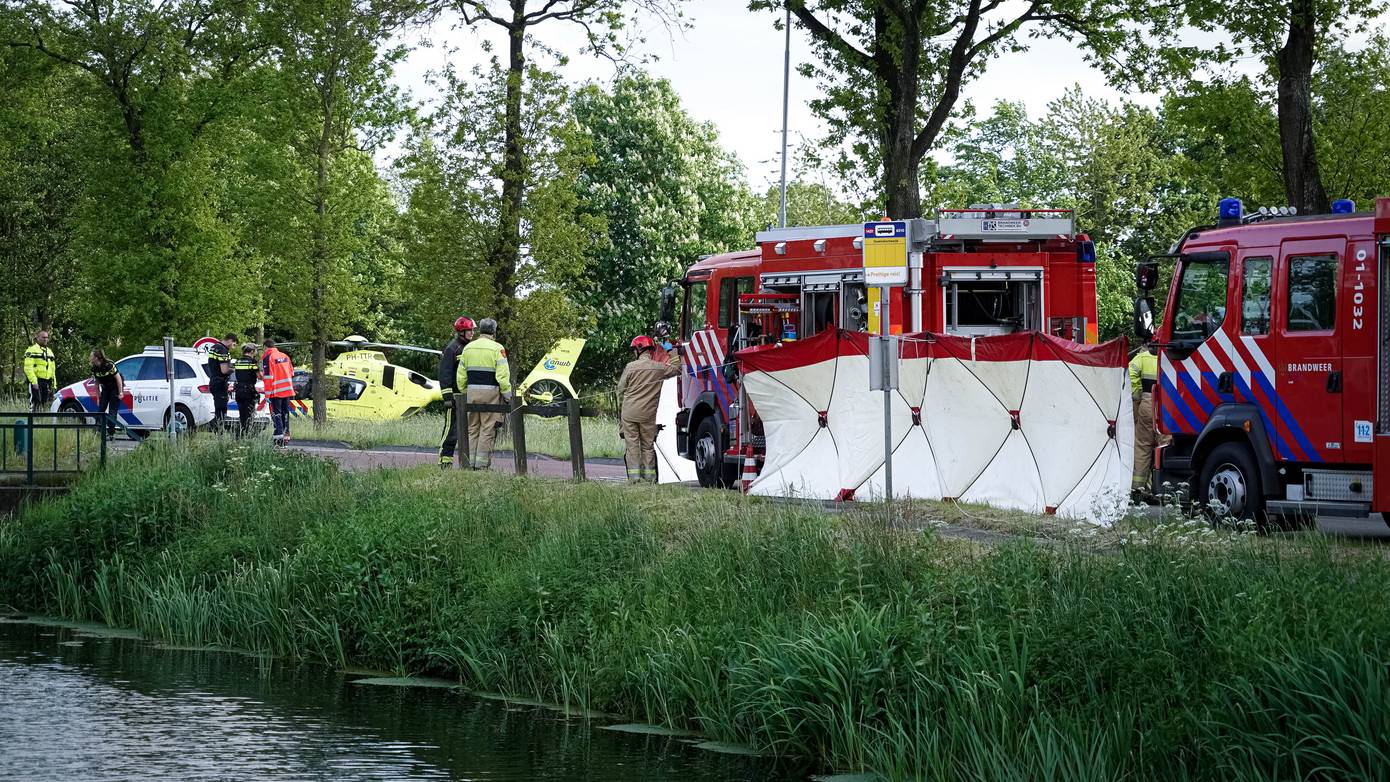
693 313
1201 303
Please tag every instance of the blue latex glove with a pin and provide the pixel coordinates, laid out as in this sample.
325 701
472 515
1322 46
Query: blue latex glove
666 346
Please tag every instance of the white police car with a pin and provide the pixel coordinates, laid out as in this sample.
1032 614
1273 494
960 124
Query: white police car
146 404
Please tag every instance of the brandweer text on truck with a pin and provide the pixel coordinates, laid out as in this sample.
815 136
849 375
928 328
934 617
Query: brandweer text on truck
1274 362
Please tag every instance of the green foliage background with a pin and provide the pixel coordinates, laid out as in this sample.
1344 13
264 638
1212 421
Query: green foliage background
156 178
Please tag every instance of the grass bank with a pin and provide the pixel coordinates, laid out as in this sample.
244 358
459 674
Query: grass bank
790 630
549 436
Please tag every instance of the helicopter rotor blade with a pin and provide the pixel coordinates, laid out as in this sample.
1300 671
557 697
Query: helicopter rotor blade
391 346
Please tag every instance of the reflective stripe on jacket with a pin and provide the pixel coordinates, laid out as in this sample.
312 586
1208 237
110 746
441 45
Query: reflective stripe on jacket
279 374
218 356
244 371
483 363
1143 372
39 364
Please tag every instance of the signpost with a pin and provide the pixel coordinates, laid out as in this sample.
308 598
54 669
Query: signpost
169 376
886 246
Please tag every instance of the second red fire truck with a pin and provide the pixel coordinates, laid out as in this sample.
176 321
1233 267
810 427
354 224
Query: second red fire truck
1274 362
977 271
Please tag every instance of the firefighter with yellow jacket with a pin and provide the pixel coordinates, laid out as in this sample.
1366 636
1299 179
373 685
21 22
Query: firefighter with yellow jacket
639 388
483 375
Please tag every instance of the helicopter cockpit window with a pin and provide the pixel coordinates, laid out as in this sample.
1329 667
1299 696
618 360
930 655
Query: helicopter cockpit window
350 389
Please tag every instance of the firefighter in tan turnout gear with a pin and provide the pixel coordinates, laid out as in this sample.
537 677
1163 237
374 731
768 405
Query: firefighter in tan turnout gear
483 375
640 389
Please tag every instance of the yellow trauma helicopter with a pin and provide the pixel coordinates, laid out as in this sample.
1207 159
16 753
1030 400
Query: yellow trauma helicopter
364 386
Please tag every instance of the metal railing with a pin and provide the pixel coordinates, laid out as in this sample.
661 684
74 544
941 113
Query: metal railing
24 435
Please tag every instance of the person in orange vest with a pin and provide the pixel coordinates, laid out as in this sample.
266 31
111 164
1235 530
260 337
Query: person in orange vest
277 374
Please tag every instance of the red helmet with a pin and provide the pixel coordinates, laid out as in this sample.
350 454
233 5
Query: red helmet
464 324
642 342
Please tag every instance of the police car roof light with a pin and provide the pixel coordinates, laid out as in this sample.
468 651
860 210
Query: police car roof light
1343 206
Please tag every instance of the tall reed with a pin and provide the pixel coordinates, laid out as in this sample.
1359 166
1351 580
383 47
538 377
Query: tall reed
788 629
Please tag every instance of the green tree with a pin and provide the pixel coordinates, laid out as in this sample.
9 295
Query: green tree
1290 39
1229 139
601 21
1351 102
808 203
41 122
159 78
1228 130
454 175
892 71
336 61
668 193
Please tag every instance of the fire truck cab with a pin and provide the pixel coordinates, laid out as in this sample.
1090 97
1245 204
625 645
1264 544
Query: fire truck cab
977 271
1274 363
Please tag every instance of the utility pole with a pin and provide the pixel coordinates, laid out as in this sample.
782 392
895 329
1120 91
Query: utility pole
786 95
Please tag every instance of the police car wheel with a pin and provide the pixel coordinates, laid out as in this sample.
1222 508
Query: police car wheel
183 420
1229 486
73 407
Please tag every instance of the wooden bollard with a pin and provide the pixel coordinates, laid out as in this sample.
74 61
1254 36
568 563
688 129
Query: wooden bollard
519 434
576 439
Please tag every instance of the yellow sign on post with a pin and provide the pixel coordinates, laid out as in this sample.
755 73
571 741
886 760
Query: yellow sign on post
885 253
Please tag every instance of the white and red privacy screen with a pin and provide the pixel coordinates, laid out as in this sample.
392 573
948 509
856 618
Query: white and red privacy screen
1022 421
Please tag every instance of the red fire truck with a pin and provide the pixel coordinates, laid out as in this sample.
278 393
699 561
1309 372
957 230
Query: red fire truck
1274 362
976 271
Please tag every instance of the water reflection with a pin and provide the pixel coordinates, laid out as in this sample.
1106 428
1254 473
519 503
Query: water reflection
118 709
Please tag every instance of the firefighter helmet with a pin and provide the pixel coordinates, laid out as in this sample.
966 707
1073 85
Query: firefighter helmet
642 342
464 324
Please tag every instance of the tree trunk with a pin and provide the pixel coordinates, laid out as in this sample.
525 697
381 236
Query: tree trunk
317 316
898 73
506 251
1302 177
900 160
900 169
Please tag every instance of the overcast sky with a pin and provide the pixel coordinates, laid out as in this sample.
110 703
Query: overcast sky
727 69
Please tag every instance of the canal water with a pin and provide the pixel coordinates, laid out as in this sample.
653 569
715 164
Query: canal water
79 705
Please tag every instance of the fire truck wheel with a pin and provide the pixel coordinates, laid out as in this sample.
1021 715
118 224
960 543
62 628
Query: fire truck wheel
709 454
1229 487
